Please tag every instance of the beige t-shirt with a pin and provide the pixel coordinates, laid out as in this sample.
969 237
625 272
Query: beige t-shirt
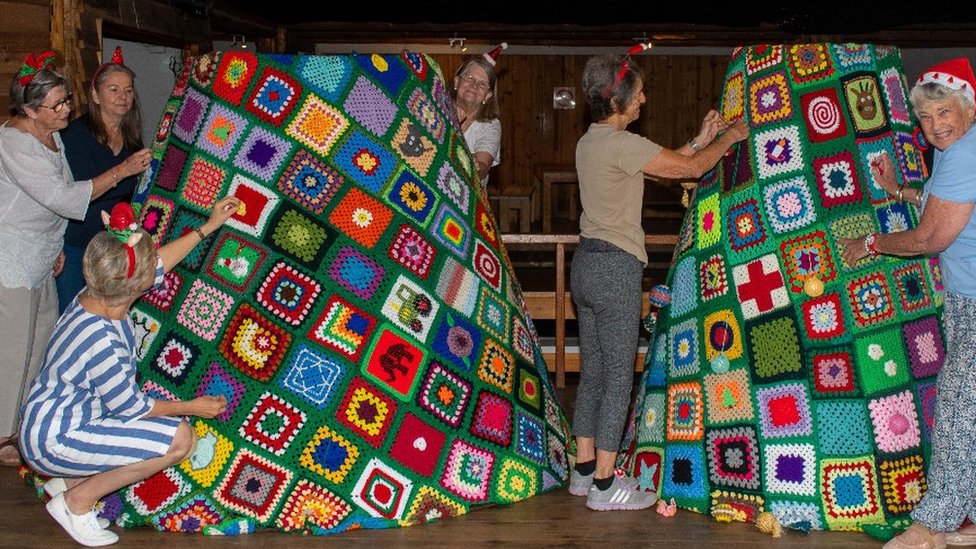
608 164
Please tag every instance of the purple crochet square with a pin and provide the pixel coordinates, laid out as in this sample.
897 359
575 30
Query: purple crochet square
370 107
926 349
171 169
262 154
190 115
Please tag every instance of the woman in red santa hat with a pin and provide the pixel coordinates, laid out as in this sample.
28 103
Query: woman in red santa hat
478 112
943 100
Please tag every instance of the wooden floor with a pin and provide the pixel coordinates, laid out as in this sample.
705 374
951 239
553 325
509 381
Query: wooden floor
554 519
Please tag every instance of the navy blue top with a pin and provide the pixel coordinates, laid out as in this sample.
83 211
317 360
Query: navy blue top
88 158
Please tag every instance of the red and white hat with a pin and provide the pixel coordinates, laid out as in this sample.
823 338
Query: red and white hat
956 74
492 55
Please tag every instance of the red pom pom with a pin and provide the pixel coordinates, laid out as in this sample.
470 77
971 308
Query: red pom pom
122 216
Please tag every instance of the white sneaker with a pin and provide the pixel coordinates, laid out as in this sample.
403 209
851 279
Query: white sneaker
82 528
56 486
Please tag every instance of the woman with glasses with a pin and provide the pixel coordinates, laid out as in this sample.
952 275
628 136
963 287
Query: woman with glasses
37 196
106 135
477 111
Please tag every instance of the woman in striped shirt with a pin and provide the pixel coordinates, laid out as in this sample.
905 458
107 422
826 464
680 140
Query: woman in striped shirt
85 422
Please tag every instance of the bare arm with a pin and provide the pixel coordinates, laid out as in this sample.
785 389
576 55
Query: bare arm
174 252
941 223
206 406
135 164
671 164
483 161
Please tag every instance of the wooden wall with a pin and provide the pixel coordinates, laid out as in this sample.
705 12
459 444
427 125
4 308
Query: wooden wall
26 28
679 89
74 29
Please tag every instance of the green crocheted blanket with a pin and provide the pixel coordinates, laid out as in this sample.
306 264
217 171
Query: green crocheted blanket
358 312
762 393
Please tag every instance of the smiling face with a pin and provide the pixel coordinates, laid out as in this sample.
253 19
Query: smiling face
944 121
473 85
115 94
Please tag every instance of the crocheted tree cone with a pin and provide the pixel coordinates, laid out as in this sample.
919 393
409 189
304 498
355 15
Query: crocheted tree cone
821 414
359 312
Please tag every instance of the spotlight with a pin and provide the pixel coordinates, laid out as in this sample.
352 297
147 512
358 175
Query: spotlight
456 42
238 41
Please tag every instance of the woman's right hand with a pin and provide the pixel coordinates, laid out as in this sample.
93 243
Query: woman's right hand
223 209
883 172
208 406
137 162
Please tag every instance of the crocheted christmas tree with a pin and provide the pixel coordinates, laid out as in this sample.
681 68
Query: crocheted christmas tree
761 392
358 312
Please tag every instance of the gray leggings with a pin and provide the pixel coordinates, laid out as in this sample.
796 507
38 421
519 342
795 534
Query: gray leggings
606 286
951 476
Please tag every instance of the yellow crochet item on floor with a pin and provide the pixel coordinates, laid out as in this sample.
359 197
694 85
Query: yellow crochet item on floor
766 523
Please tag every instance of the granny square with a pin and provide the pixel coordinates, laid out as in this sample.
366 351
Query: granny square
823 115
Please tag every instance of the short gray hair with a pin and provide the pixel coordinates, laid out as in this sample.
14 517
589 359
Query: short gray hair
605 95
106 264
33 94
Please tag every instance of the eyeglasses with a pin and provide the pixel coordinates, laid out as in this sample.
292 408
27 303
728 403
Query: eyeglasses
60 105
474 82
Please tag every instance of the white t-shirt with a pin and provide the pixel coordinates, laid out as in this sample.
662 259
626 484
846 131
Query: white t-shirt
485 137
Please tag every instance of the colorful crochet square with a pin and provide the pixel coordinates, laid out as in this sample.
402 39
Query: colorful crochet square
831 366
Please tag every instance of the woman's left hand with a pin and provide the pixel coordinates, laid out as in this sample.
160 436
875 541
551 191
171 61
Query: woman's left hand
712 125
58 265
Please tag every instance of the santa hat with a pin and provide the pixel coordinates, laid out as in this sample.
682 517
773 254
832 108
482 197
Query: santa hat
639 47
492 55
956 74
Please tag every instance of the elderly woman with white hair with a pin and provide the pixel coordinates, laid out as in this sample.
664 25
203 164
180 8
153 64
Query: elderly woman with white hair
945 104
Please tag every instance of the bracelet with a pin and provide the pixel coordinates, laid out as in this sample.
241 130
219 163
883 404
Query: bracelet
870 244
199 233
694 145
900 194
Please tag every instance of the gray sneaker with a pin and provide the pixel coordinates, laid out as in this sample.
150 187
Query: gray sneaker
579 484
623 495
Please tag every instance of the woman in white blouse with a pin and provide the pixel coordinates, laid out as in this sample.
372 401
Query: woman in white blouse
37 197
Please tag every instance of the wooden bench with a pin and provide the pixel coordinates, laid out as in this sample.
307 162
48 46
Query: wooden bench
558 305
542 306
513 209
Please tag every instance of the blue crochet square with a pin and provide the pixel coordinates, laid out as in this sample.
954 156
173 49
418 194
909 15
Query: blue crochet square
684 287
843 428
684 472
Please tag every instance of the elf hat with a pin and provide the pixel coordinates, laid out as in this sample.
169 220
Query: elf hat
492 56
956 74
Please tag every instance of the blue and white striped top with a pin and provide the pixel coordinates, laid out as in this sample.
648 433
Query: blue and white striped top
86 402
